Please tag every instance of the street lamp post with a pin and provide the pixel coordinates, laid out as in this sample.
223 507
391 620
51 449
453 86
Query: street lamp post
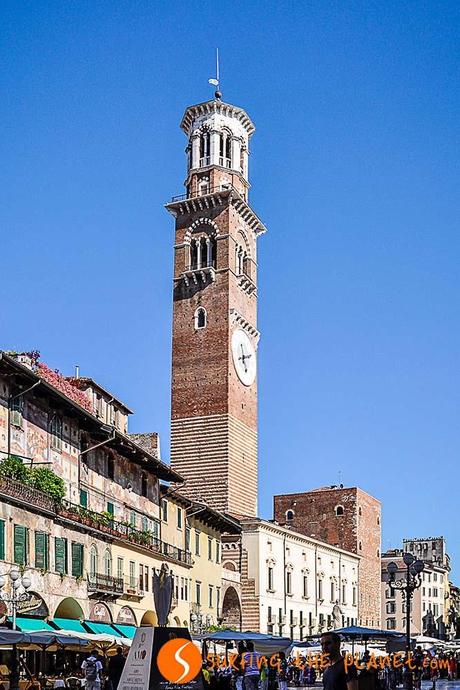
20 585
407 585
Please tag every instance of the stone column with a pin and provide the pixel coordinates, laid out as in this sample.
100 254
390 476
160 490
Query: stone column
215 147
236 153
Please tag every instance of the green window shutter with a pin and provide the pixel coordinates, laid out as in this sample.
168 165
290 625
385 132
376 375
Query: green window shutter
41 550
83 498
110 508
60 555
2 540
20 544
77 559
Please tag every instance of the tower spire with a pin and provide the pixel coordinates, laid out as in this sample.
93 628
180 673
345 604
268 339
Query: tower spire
216 81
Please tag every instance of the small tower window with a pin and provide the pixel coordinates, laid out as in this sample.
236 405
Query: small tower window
289 514
203 186
225 150
339 510
205 148
200 318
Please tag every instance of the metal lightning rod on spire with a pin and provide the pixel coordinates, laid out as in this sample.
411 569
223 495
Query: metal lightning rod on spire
216 81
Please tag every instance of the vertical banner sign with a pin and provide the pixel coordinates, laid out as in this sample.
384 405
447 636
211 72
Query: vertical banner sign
136 672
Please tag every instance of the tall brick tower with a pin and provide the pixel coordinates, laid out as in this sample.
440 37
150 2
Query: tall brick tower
344 517
215 337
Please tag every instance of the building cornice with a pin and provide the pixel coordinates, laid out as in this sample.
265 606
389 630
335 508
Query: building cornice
258 524
184 205
215 106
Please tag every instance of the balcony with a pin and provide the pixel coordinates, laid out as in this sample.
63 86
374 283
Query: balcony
26 495
33 499
123 531
231 575
204 192
105 585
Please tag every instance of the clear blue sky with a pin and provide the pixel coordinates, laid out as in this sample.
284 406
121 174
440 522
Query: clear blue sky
355 170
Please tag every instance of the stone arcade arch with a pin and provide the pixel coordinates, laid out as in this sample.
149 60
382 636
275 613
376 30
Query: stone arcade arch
69 608
149 618
231 608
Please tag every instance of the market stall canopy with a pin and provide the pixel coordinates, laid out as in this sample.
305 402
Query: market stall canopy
40 639
126 630
423 639
69 624
32 624
264 644
101 628
356 631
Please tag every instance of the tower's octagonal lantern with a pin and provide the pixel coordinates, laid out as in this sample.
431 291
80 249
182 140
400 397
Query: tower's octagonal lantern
218 146
215 336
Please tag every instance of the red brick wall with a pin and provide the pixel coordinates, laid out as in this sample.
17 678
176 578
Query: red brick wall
214 416
358 530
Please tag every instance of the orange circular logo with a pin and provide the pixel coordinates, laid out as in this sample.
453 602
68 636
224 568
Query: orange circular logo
179 661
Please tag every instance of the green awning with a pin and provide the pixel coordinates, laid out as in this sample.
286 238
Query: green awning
32 624
69 624
101 628
126 630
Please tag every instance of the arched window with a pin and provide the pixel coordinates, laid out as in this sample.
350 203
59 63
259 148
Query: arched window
289 514
339 510
225 150
205 148
193 255
107 563
239 260
144 484
200 318
93 560
202 253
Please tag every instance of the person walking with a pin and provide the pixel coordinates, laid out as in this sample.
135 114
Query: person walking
239 663
251 667
282 671
452 667
116 666
92 668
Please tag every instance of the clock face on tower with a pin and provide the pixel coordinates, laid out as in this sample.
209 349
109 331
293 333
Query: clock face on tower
244 357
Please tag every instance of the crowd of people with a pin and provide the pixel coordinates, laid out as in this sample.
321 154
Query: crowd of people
338 670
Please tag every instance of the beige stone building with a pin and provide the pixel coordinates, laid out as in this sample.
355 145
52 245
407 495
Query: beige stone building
92 556
429 606
202 527
292 585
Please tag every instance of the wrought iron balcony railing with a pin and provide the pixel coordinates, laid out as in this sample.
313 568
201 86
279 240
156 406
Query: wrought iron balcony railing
123 531
33 498
190 194
107 584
